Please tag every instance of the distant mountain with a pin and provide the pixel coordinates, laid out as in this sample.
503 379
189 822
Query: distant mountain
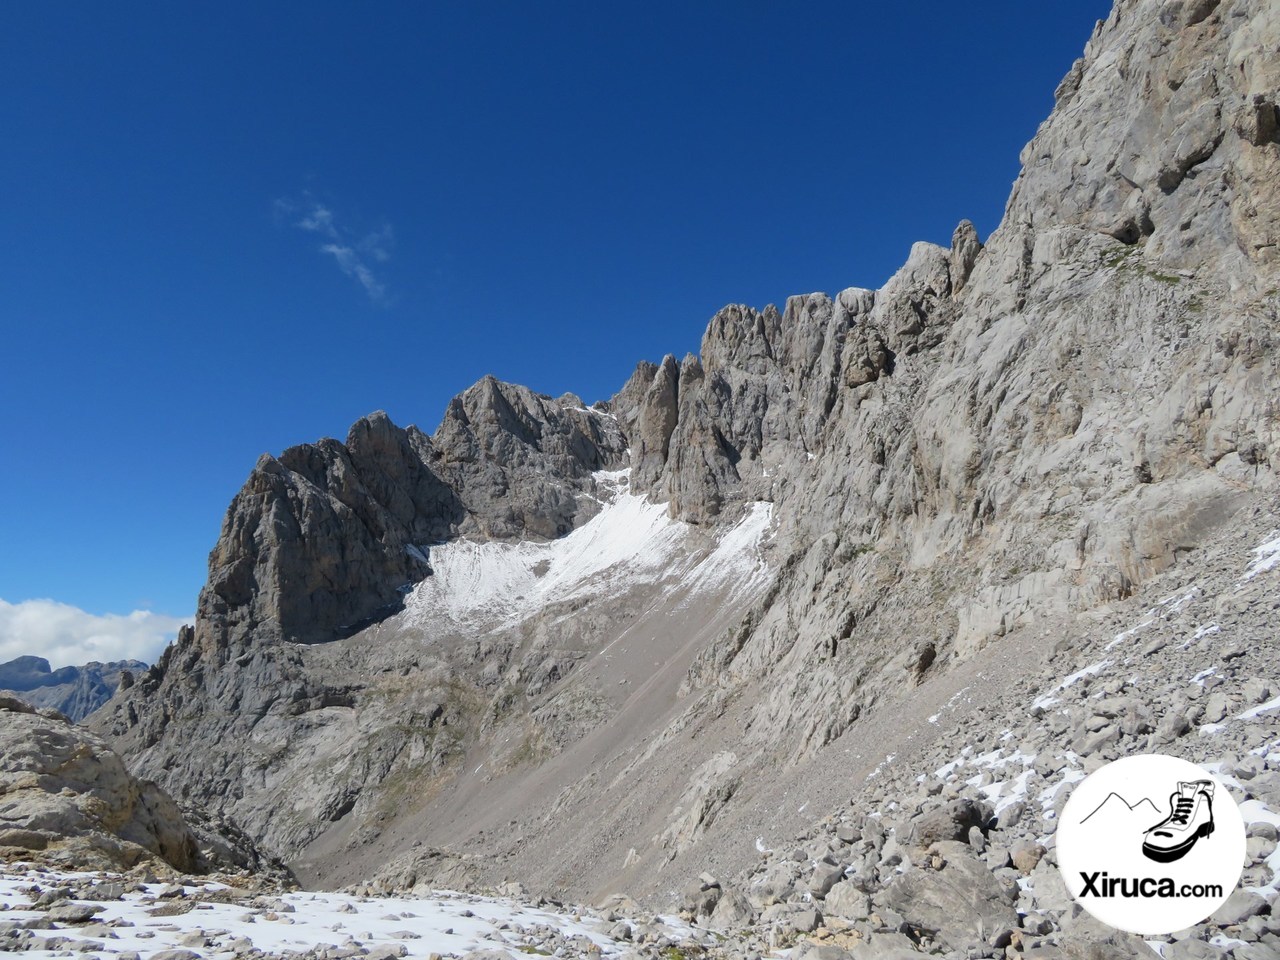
76 691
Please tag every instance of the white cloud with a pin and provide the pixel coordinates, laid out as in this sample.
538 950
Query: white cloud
350 263
68 636
319 220
351 252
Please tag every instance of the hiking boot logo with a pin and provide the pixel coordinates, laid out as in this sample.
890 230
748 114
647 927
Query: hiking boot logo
1190 818
1142 864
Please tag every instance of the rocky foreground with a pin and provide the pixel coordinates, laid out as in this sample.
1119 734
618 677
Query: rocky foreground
951 850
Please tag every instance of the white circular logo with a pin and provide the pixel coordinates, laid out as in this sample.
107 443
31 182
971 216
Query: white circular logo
1151 844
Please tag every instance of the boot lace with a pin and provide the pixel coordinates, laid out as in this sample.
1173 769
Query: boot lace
1182 810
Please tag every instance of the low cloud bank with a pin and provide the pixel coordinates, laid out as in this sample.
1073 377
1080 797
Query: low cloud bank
68 636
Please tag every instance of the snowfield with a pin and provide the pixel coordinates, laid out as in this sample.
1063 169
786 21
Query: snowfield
213 919
630 541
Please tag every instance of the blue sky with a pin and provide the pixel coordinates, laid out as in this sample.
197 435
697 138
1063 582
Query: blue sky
228 228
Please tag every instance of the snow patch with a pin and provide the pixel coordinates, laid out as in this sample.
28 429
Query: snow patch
1050 793
442 922
737 558
1047 698
1260 709
629 542
1265 557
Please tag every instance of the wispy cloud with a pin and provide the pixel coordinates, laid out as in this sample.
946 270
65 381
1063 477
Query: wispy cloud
68 636
351 251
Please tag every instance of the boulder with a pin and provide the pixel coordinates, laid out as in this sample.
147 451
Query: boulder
959 904
67 795
950 822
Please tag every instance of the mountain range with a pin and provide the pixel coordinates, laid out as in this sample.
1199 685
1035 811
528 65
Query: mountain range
76 691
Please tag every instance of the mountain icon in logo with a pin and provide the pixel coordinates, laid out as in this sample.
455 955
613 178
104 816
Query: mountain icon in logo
1117 811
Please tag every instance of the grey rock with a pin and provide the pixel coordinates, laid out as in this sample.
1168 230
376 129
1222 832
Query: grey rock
848 833
823 878
732 912
1026 857
792 918
1192 949
60 783
1240 906
965 248
813 950
950 822
73 913
885 946
846 900
959 903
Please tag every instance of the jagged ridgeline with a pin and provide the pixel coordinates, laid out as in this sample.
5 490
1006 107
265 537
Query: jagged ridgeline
73 691
603 648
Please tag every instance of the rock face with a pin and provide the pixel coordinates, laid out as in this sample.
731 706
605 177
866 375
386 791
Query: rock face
325 538
949 844
74 691
762 571
67 797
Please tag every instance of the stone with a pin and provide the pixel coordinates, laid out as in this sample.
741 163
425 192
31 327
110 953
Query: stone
1192 949
1026 856
965 248
847 833
73 913
951 822
823 878
957 904
732 912
1240 906
792 918
59 781
811 950
846 900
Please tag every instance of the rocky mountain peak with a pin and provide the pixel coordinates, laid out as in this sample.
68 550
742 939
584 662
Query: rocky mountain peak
325 537
1189 93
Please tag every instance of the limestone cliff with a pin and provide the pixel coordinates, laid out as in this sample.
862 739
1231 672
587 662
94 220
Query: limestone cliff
607 671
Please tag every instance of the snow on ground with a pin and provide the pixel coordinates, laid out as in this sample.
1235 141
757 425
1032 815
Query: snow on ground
1047 699
1002 793
630 541
1265 557
1260 709
737 558
443 923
